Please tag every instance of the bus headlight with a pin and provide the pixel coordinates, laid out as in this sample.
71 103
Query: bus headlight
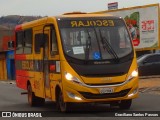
133 93
72 78
73 96
133 74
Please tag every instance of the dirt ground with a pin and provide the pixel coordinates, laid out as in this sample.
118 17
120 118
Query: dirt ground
149 84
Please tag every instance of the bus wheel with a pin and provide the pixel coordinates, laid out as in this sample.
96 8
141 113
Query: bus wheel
125 104
32 99
62 106
31 96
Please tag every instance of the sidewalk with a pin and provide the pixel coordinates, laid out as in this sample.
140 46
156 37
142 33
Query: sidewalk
149 81
150 84
8 81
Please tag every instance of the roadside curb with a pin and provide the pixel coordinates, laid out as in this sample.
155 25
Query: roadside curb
8 81
148 77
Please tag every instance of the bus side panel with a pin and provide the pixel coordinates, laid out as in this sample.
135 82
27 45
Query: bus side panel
21 80
24 67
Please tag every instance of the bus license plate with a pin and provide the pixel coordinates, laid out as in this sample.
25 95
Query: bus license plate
106 90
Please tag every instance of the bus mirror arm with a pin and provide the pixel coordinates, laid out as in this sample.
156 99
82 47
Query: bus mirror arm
41 50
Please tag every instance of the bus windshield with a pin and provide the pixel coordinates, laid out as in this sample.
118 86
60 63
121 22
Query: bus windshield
95 39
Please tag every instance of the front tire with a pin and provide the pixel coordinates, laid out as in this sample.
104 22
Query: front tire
125 104
62 106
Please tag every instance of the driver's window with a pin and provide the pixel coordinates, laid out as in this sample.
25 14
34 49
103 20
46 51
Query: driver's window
40 39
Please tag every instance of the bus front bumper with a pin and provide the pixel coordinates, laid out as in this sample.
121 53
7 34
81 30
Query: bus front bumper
85 94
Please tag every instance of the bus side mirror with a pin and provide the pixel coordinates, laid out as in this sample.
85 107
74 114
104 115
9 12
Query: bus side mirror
39 45
11 45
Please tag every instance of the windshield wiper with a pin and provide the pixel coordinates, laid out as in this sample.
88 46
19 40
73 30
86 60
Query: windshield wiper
108 47
88 45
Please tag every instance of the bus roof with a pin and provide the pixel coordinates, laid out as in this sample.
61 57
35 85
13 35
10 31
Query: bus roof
66 15
79 14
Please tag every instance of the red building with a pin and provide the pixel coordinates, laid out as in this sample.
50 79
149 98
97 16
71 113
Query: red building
6 55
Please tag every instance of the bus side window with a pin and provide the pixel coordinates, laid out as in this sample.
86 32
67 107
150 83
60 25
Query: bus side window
39 42
19 42
54 45
28 41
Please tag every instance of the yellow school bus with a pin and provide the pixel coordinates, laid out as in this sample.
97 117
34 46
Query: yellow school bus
76 58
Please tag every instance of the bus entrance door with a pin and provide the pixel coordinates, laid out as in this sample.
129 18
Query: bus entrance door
46 65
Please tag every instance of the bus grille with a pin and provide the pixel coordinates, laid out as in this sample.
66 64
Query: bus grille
93 84
103 96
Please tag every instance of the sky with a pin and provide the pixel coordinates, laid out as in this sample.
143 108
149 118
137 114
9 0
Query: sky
57 7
